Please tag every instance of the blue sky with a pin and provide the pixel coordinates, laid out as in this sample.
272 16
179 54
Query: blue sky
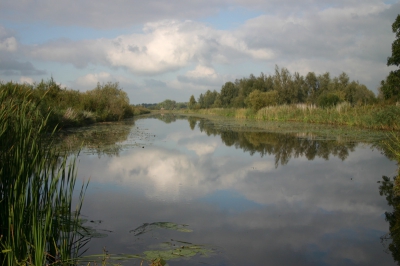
161 50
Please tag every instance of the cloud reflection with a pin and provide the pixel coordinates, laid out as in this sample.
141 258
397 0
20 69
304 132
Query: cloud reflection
306 212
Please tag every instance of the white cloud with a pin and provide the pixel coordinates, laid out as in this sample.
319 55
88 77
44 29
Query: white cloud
202 75
8 44
182 53
93 78
26 80
202 149
164 46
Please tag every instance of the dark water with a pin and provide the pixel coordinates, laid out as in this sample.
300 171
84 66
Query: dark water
244 197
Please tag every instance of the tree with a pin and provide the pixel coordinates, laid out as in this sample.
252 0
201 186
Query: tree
167 104
312 87
192 102
228 92
391 87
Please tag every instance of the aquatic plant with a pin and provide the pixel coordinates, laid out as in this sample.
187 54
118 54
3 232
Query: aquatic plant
38 225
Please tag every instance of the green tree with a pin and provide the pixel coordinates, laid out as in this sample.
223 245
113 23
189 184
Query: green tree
209 98
328 100
168 104
391 87
192 102
283 84
200 101
228 92
312 87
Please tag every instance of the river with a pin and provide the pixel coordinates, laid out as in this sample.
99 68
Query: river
203 192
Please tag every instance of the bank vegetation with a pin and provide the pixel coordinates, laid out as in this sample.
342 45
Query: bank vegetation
66 107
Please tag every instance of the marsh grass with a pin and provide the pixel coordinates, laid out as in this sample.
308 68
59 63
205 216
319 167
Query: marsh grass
386 117
70 108
38 225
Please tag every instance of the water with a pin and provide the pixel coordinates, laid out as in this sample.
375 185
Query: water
239 195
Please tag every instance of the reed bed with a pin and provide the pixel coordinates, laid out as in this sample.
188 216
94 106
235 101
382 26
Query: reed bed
38 225
386 117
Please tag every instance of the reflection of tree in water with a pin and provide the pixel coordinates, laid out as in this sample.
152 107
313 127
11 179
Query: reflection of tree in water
100 139
166 118
390 189
192 122
283 146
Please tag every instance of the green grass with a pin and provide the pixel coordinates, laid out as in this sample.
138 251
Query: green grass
38 225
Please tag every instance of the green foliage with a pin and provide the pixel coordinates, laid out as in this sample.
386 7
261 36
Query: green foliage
286 88
192 102
257 99
108 102
65 108
389 116
328 100
394 59
167 105
37 223
228 92
390 88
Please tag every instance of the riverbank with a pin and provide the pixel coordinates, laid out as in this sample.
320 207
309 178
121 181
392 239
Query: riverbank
379 117
62 107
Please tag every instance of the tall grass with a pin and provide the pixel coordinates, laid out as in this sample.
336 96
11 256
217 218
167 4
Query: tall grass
385 117
70 108
37 223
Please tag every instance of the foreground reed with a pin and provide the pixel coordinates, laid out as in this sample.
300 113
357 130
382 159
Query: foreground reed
37 223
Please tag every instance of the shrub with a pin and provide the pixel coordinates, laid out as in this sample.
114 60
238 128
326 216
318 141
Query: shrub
328 100
389 116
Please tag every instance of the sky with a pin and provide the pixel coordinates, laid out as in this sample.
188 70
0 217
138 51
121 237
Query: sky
159 50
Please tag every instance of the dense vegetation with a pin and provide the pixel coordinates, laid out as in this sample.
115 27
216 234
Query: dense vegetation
64 107
285 88
390 87
38 225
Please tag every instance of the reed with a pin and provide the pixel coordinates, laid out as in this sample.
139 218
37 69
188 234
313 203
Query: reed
386 117
37 223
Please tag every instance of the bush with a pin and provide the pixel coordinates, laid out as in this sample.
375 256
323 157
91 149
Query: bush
257 99
328 100
388 117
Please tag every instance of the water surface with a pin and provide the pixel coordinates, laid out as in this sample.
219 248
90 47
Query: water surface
247 196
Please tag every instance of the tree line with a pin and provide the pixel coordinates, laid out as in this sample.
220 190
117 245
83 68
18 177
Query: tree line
285 88
167 104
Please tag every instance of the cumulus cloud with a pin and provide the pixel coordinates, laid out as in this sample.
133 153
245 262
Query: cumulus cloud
93 78
201 75
164 46
334 36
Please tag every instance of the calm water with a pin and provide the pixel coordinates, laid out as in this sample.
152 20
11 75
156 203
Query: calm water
247 197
